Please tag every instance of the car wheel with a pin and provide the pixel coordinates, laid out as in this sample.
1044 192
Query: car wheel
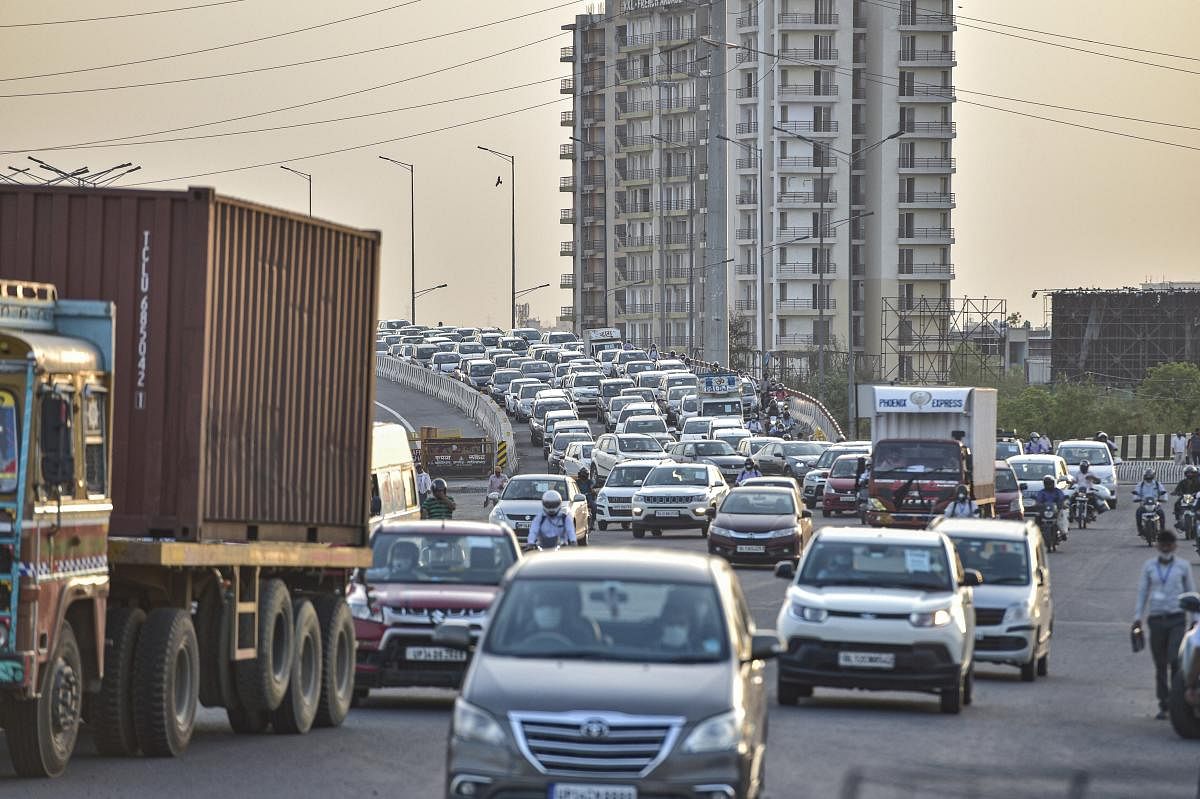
1029 668
951 699
790 693
1183 715
1043 665
969 686
638 532
825 513
603 525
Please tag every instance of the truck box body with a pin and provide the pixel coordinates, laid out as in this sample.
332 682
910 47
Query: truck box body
243 332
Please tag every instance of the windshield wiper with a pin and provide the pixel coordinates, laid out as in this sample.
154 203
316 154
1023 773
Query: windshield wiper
1005 580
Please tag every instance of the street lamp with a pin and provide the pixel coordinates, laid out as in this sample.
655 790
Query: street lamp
762 241
307 177
412 202
523 292
692 300
512 180
423 292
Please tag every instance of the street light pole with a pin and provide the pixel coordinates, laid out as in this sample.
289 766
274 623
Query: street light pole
412 202
762 264
692 300
307 177
512 181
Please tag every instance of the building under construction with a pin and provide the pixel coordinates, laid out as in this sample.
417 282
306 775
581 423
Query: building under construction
931 341
1113 337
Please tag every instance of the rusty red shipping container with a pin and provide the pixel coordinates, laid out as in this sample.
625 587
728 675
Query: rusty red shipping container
243 370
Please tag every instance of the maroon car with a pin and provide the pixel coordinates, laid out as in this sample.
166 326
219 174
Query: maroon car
1008 493
841 487
423 574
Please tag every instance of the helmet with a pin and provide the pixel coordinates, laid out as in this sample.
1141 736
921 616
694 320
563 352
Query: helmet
1048 481
1189 471
1148 475
1034 434
583 474
1102 436
749 463
1084 465
438 485
552 503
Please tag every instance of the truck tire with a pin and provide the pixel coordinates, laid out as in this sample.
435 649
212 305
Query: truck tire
337 671
263 681
299 707
247 722
41 733
112 709
166 680
208 635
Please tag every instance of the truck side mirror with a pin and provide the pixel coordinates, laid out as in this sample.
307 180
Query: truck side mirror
58 456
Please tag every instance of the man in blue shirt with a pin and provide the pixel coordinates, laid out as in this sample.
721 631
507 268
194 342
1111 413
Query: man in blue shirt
1051 494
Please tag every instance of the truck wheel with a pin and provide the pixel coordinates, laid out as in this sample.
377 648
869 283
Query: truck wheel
263 681
112 710
208 636
41 733
247 722
295 715
1183 715
166 680
337 670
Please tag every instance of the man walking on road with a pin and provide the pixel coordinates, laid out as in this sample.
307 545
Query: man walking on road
1179 444
424 483
496 484
1163 579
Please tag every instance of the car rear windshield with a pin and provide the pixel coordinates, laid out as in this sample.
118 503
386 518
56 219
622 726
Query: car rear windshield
446 357
439 558
799 449
481 369
627 476
613 619
426 351
877 565
590 381
900 460
697 425
638 366
562 439
1006 450
676 475
766 503
644 394
712 448
613 388
638 444
471 348
502 377
646 426
1001 562
535 368
1097 455
1006 480
531 390
533 488
1034 470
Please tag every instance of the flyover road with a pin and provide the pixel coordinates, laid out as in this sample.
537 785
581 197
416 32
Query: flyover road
1093 713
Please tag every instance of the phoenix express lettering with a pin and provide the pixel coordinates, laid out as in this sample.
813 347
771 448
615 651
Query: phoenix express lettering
143 344
893 403
946 403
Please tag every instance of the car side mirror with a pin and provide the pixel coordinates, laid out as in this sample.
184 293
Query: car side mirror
1040 574
579 498
785 570
765 645
710 513
1190 602
453 636
972 578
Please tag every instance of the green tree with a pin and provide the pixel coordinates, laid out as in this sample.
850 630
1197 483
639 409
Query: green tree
1170 395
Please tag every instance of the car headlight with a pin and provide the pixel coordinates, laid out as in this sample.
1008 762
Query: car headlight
366 612
472 724
786 532
714 530
807 613
717 734
498 516
1016 613
936 618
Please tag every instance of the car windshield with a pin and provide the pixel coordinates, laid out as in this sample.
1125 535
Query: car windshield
712 448
639 444
697 426
844 467
535 367
614 388
481 369
766 503
1007 449
1001 562
505 376
1006 480
562 439
1034 470
591 381
876 565
646 426
439 558
620 402
522 488
643 394
753 445
629 356
676 475
544 406
530 390
731 433
627 476
800 449
622 620
690 403
678 392
1095 455
900 460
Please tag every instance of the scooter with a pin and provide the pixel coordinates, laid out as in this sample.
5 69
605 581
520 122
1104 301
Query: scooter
1047 522
1149 520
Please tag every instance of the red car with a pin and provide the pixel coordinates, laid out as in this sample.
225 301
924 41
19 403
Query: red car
1009 504
841 487
422 574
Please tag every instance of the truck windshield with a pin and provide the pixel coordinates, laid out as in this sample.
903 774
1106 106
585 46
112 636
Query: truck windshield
732 407
901 460
8 442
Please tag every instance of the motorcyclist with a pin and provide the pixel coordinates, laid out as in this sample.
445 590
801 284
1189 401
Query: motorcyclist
787 422
1034 445
751 470
963 507
1190 484
776 428
551 527
1151 488
1103 438
1051 494
1090 484
754 426
586 487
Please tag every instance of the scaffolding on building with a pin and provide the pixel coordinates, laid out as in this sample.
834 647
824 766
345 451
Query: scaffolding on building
943 340
1111 337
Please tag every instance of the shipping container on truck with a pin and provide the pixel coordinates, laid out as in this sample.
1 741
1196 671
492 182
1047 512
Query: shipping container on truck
186 397
925 442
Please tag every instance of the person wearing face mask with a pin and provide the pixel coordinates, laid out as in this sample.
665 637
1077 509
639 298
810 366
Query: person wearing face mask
1151 488
402 559
751 470
1162 581
556 613
963 507
1051 494
675 627
552 527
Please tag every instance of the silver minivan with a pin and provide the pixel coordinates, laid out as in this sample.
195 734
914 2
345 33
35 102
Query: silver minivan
1014 611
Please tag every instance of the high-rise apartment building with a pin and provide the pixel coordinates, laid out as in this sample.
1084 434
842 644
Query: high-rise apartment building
807 142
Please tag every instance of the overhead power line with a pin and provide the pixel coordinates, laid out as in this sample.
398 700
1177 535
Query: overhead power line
118 16
213 49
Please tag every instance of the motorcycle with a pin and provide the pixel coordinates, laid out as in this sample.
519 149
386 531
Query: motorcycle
1081 510
1188 516
1149 520
1047 522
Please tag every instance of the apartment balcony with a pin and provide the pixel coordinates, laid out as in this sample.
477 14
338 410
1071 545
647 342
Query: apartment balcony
817 126
679 239
926 199
566 55
628 72
746 163
746 234
566 313
592 183
593 247
807 233
593 116
746 57
822 20
637 308
747 199
636 242
807 198
803 270
567 248
634 275
745 305
928 94
824 54
746 270
641 108
747 93
926 271
931 130
747 21
633 209
927 22
680 137
674 206
566 151
567 119
679 173
806 305
680 35
566 280
829 166
827 92
925 235
566 216
567 183
683 307
639 175
675 273
595 50
911 165
628 143
745 128
566 86
638 41
794 340
927 58
677 105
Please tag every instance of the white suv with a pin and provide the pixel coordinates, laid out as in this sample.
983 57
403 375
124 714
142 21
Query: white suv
678 496
612 449
881 610
614 502
1101 463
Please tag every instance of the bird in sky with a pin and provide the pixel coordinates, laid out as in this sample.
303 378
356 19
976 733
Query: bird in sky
498 180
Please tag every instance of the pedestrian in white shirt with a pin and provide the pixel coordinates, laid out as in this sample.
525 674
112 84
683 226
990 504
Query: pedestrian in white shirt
496 484
424 483
1179 444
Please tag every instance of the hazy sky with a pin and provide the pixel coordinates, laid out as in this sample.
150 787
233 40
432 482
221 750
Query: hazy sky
1040 205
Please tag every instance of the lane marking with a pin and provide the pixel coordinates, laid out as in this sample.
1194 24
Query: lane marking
399 418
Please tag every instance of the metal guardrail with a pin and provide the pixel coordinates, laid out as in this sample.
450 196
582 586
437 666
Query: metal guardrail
470 401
